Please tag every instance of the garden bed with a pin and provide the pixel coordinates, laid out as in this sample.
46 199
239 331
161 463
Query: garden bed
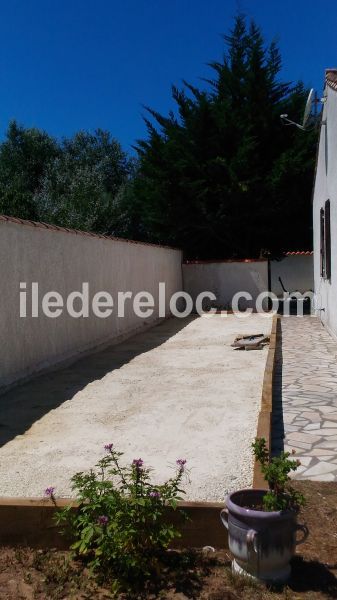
178 390
35 574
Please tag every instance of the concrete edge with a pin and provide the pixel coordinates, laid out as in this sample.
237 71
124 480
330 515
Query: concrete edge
265 414
30 522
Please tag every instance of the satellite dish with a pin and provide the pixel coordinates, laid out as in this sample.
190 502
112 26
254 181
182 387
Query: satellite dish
308 107
307 112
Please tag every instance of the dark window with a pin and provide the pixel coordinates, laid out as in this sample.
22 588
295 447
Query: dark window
326 148
322 241
327 240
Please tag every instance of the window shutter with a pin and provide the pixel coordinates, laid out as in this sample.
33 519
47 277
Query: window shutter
327 241
322 242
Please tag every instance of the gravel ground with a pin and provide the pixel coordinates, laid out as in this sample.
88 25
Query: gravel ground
176 391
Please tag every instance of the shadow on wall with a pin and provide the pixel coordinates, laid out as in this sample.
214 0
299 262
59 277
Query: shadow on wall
296 272
25 404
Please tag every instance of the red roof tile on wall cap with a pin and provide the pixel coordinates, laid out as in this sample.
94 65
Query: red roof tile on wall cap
51 227
299 253
244 260
331 78
224 260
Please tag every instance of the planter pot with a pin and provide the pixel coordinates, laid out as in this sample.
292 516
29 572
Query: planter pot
262 542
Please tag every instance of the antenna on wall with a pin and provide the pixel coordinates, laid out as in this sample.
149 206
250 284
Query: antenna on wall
311 100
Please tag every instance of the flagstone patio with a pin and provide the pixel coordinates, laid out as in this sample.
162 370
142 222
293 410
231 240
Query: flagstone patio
305 398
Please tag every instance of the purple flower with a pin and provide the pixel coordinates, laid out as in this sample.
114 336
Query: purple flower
108 447
138 463
49 492
181 462
154 494
102 520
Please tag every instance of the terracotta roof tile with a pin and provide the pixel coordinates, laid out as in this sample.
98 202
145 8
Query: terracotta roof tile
245 260
224 260
299 253
331 78
50 227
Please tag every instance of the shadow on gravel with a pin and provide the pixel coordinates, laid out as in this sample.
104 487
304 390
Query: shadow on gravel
27 403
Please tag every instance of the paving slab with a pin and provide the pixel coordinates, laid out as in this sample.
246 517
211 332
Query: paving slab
305 397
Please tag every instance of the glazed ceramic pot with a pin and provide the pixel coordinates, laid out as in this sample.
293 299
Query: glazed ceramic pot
262 543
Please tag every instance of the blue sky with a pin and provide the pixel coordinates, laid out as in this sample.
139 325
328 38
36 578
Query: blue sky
81 64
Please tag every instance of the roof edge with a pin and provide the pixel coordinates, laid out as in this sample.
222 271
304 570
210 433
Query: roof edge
51 227
299 253
245 260
331 78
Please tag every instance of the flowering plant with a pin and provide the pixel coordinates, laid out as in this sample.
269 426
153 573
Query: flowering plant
122 524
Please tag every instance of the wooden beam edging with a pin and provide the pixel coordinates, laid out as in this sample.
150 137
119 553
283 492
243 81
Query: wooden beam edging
265 415
30 521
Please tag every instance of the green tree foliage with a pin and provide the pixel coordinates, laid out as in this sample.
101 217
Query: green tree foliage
223 177
23 158
73 183
80 187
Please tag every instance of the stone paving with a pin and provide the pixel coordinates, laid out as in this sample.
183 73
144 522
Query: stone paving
305 397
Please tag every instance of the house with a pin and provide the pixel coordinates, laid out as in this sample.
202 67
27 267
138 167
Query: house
325 210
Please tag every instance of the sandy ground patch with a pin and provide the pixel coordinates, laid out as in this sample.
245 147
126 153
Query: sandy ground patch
176 391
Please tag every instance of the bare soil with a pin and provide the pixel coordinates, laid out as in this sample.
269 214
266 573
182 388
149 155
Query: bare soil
201 575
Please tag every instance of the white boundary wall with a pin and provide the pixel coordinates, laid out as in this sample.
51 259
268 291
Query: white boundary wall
61 261
296 272
226 278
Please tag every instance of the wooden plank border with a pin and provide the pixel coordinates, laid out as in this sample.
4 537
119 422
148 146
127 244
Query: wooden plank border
30 521
265 415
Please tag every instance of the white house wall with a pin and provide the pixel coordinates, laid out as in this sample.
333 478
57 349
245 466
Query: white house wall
326 189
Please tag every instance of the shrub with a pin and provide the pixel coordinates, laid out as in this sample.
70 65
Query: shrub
122 525
280 496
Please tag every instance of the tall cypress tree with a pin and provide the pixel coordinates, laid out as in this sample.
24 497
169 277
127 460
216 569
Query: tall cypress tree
222 177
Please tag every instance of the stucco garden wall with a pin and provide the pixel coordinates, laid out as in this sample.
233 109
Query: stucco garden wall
226 278
61 261
296 272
